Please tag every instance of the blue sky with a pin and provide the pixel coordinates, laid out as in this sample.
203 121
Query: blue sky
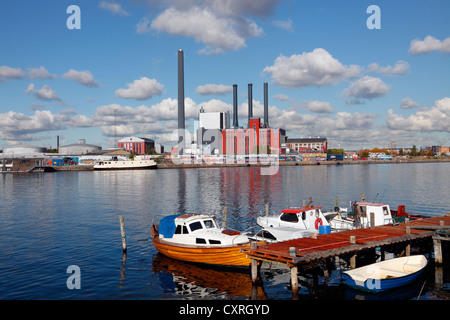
329 75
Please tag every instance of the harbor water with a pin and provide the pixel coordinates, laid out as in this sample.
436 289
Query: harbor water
51 223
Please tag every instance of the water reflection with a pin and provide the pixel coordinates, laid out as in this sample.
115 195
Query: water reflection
191 281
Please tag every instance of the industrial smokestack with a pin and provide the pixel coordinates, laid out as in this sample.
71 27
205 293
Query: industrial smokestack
181 121
235 107
266 105
250 103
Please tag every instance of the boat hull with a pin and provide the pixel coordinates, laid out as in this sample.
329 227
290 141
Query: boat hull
225 256
384 276
126 165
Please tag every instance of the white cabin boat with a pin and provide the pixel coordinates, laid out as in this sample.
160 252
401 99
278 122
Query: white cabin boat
115 164
292 223
360 217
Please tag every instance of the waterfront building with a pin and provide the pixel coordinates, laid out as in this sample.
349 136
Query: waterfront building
136 145
307 145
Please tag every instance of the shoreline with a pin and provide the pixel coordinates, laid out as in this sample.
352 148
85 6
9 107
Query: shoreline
170 165
301 163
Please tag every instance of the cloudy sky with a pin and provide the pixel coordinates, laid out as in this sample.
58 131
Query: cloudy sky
110 70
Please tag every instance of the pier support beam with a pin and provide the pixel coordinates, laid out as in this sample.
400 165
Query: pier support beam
254 265
294 282
438 259
353 257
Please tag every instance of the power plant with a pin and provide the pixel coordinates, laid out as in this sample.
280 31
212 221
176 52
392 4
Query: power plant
215 136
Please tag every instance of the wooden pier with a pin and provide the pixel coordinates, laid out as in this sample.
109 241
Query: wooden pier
303 252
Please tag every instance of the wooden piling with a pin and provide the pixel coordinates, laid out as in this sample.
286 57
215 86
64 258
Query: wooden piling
294 281
353 257
267 209
438 259
122 232
224 219
254 264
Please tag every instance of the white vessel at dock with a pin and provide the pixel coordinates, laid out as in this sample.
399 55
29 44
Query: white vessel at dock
115 164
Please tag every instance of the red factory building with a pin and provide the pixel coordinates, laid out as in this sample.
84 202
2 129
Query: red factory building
252 140
136 145
258 137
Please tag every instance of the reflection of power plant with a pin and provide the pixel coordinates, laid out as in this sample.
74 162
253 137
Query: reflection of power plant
216 136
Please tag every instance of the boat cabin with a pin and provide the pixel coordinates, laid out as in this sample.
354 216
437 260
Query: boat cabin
360 216
197 229
363 211
306 218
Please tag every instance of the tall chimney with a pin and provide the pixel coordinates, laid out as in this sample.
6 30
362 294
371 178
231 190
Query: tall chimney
181 121
266 105
250 103
235 107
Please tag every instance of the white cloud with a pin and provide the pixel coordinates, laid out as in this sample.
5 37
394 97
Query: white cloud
400 68
11 73
220 25
408 103
319 106
20 127
82 77
114 8
436 118
365 88
318 68
40 73
429 44
217 33
213 89
141 89
45 93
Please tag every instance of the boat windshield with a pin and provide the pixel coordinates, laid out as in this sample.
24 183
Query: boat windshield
195 226
209 224
289 217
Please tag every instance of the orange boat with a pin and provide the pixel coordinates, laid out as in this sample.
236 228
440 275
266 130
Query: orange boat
197 238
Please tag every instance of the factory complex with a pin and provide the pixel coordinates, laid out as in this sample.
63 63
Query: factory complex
214 140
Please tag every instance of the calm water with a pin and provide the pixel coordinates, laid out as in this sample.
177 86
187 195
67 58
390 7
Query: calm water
50 221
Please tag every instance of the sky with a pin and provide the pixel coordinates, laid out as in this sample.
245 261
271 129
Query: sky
361 73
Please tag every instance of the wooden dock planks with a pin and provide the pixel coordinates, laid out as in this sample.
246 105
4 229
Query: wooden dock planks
334 244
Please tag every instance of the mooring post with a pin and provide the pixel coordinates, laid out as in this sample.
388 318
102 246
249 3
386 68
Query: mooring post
267 209
254 264
224 219
294 281
353 257
437 250
122 232
408 245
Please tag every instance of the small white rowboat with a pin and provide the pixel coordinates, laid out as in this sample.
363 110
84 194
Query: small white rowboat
387 274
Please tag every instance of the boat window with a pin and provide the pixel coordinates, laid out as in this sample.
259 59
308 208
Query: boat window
289 217
363 211
267 235
385 211
209 224
178 230
214 242
200 241
195 226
